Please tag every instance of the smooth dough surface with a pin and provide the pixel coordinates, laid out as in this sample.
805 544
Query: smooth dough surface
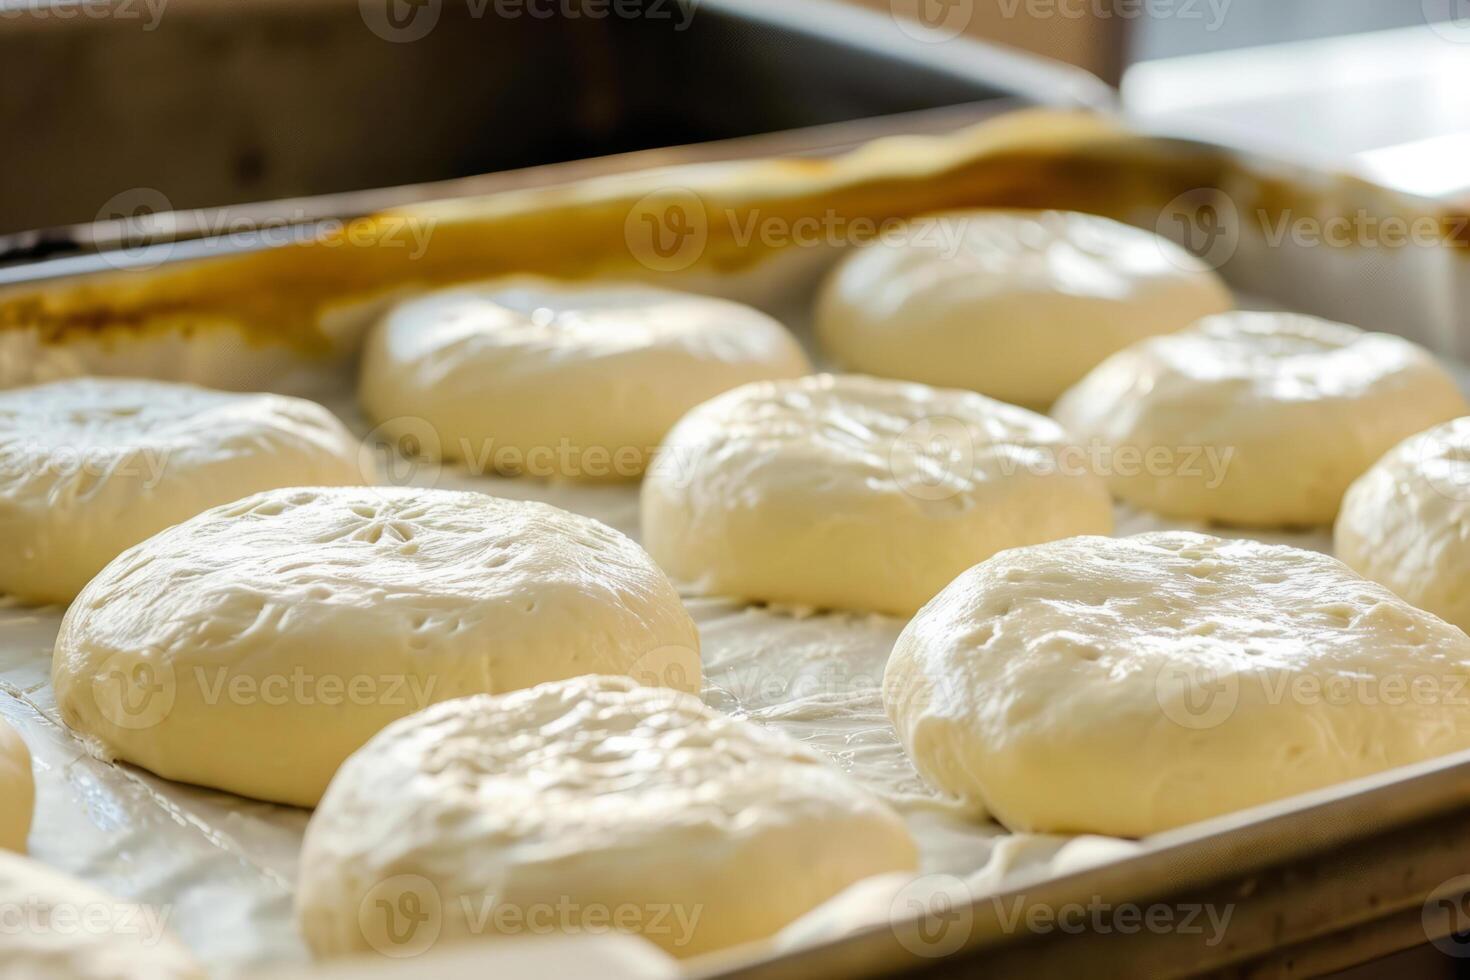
1406 522
858 493
17 790
586 796
1255 419
58 928
89 467
1124 686
1017 305
531 375
256 646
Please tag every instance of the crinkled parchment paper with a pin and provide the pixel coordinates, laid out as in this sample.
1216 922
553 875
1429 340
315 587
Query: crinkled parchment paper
222 868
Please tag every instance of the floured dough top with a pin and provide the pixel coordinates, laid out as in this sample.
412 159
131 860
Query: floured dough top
1293 408
294 624
513 367
1015 304
858 492
1406 522
1125 686
91 466
601 795
57 928
17 789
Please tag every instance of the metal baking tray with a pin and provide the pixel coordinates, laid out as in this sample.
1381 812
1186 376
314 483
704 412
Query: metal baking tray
224 104
1314 883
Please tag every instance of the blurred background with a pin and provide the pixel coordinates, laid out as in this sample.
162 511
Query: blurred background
179 104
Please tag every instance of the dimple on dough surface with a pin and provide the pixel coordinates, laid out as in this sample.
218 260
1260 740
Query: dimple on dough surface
89 467
1255 419
1017 305
17 790
58 928
858 493
254 647
578 796
1125 686
530 375
1406 522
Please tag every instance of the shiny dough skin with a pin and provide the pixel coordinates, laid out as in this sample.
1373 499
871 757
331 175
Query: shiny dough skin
1017 305
840 491
584 797
254 647
1124 686
1255 419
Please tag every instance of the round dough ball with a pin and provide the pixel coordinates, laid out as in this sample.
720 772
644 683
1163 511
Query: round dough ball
529 375
17 790
1255 419
59 928
89 467
1125 686
577 804
1406 522
857 493
256 646
1015 304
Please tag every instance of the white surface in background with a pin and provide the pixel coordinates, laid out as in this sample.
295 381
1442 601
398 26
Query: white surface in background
1327 102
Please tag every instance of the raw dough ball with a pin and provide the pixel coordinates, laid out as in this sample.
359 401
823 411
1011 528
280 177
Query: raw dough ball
530 375
857 493
89 467
582 803
1124 686
1406 522
256 646
17 790
58 928
1254 418
1015 304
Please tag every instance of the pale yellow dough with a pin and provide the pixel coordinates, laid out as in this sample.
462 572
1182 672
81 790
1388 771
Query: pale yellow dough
546 378
17 790
1254 419
58 928
858 493
1017 305
256 646
579 803
1406 522
1124 686
91 466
